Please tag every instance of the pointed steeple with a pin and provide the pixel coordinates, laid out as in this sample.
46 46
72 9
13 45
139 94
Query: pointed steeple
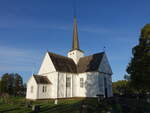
75 43
75 53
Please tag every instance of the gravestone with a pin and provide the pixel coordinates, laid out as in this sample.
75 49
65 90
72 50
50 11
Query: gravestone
36 108
56 101
83 107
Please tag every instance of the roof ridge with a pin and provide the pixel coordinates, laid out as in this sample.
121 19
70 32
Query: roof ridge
92 54
59 55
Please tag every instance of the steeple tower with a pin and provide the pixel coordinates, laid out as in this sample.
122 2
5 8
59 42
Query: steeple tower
75 43
75 53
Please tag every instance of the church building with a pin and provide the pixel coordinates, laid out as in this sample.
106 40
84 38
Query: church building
71 76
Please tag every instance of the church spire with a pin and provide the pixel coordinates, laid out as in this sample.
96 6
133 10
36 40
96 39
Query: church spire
75 43
75 53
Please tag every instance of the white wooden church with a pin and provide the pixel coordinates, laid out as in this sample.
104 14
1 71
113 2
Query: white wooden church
71 76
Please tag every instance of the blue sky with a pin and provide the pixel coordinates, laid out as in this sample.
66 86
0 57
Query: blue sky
28 28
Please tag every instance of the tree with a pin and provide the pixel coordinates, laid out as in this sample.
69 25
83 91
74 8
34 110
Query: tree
121 87
18 84
139 66
7 83
11 84
0 87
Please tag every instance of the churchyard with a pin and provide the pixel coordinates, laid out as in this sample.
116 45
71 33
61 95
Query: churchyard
112 105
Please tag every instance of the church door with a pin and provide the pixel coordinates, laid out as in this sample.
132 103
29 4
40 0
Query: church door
105 87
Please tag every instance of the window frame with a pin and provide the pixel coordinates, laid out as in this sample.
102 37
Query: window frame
68 82
44 89
81 82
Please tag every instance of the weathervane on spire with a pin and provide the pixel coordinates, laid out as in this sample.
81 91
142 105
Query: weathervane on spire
104 48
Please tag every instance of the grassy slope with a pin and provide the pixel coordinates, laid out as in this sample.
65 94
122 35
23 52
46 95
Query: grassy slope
17 105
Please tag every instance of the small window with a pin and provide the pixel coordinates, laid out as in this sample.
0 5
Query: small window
81 82
44 89
68 82
31 89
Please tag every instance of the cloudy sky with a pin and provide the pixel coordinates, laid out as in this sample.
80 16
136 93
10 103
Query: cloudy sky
28 28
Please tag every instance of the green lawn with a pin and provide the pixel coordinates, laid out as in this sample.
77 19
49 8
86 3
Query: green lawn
17 105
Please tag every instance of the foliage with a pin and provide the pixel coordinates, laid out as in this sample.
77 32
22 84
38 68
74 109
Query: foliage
139 67
11 84
122 87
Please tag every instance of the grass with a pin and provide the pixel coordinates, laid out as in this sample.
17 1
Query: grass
17 105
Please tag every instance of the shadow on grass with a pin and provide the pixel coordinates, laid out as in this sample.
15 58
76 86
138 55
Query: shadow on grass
71 107
62 108
3 111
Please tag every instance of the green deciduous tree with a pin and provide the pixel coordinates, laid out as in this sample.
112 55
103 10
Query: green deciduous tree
121 87
18 84
139 67
11 84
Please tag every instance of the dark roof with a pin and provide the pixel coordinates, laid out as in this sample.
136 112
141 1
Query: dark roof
41 79
62 63
89 63
85 64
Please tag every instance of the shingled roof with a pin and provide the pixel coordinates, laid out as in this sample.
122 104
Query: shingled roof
41 79
86 64
89 63
62 63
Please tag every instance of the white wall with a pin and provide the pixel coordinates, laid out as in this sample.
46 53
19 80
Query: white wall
106 71
109 85
63 91
105 66
62 85
46 66
52 76
33 95
75 84
69 89
91 88
41 94
101 83
75 55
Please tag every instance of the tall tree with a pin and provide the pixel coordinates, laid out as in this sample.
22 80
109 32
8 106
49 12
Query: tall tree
11 84
139 67
0 87
18 84
7 83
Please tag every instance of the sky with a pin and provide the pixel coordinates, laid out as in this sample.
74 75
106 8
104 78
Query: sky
29 28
